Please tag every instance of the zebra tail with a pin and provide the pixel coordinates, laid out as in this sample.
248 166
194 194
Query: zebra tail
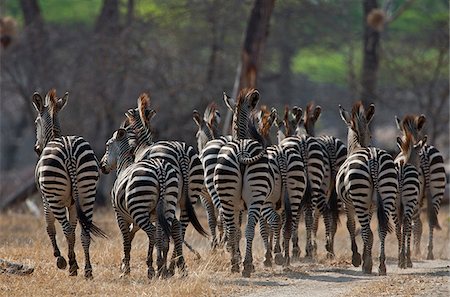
432 215
307 198
383 216
191 212
251 160
287 210
161 214
334 206
86 225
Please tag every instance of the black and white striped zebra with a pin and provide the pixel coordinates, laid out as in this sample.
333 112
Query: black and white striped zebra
144 192
66 175
209 144
366 172
312 156
406 163
242 178
335 153
180 155
283 204
432 172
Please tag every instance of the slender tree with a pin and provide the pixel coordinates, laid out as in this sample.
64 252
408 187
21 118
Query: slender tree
252 48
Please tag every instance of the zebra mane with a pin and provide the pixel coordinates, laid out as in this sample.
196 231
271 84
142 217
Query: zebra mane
143 106
247 94
266 120
211 114
309 111
406 146
51 101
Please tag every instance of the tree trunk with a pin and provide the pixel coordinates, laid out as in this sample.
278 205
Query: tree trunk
108 19
252 48
370 54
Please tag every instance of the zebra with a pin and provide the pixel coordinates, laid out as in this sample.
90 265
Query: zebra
288 190
143 190
335 153
366 172
209 144
182 156
242 178
66 176
432 172
406 162
313 159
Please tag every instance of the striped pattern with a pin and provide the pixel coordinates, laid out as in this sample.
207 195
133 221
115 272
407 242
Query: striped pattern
312 156
365 172
143 191
242 186
283 204
66 176
434 180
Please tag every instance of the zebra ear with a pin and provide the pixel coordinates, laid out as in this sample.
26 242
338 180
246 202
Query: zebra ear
421 121
370 112
254 98
399 142
230 102
38 102
423 142
298 114
317 112
197 118
61 103
121 133
346 117
149 114
125 123
398 123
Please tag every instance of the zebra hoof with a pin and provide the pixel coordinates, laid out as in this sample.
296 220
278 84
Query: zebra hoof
382 270
356 259
150 273
330 256
61 263
267 262
247 272
409 263
88 275
235 268
295 254
430 256
73 272
279 259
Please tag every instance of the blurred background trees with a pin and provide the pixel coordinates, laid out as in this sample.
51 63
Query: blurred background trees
185 53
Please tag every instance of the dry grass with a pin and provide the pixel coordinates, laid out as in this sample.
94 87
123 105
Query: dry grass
23 239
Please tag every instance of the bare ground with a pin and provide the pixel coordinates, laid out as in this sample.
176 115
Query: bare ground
23 239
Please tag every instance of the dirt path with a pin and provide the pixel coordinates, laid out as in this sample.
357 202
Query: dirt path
426 278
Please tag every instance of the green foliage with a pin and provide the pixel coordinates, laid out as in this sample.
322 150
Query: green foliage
323 65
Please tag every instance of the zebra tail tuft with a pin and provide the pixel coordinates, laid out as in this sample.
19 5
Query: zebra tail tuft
307 197
191 211
383 216
432 214
87 225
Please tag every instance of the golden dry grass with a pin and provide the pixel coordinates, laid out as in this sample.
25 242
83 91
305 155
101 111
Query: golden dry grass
23 239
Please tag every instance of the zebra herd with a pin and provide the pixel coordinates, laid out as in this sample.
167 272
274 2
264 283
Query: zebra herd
239 174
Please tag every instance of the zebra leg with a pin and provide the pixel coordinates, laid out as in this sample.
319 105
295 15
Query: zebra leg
367 237
162 250
51 231
407 231
417 227
294 239
211 215
350 212
220 228
430 255
263 230
398 233
253 215
315 227
124 227
69 232
178 247
309 225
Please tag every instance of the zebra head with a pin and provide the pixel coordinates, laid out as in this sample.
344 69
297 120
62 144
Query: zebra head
117 149
311 116
207 126
246 102
358 125
410 150
47 122
412 124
